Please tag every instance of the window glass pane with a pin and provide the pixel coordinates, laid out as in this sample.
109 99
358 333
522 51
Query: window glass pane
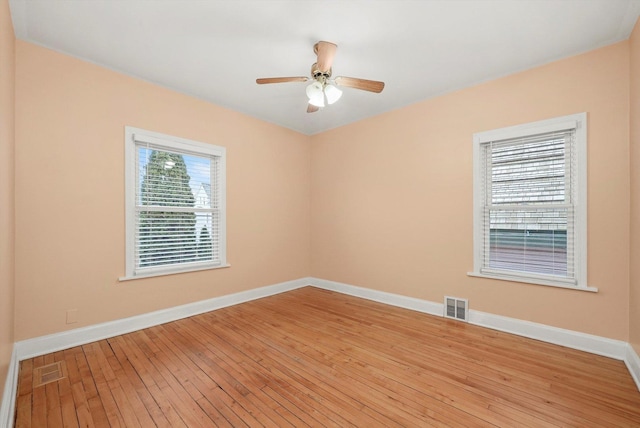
175 182
531 172
173 179
204 246
199 170
529 240
527 173
165 238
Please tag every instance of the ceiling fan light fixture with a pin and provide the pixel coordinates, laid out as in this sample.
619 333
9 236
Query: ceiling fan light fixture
315 94
333 94
317 101
314 89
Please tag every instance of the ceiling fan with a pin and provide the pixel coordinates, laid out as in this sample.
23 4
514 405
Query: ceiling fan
323 86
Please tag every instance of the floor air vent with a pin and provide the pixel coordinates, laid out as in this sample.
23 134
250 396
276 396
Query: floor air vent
456 309
49 373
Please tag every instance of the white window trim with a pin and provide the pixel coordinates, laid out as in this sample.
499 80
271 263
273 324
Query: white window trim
577 121
133 135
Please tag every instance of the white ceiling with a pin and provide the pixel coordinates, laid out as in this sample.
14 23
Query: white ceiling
215 49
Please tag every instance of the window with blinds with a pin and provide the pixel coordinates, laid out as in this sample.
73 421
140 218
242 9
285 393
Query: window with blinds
530 202
176 215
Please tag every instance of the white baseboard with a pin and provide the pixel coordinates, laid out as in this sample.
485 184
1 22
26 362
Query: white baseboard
392 299
10 392
632 360
572 339
68 339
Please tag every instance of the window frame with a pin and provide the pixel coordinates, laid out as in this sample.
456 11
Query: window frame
575 121
134 137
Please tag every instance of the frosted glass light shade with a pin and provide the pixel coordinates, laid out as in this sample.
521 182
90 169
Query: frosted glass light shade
333 94
315 94
317 100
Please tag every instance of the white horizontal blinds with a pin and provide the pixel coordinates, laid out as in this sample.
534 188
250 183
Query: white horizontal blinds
214 226
528 187
175 208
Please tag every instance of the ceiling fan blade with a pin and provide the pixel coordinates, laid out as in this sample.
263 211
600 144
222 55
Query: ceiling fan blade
280 80
311 108
365 85
326 51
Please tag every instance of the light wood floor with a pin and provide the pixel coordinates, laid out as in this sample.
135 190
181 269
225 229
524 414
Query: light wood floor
310 357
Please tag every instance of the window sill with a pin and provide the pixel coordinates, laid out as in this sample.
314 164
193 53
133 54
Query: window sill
172 272
532 281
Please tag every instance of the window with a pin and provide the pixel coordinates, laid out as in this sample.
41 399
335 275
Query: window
175 204
530 203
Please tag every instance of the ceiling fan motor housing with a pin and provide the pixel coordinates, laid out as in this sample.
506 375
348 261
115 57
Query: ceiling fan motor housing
318 74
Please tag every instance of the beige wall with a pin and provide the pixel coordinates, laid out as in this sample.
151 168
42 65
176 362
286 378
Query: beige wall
634 306
392 195
7 67
384 203
70 242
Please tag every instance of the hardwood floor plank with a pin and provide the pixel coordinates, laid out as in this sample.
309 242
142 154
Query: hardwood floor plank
95 406
23 411
293 406
113 383
351 355
233 385
312 357
54 410
229 408
80 405
114 418
126 381
39 400
180 392
576 372
25 378
148 374
417 362
138 387
354 412
355 409
25 394
67 404
192 381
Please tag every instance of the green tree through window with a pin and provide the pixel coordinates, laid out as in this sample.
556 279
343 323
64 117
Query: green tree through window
165 236
204 244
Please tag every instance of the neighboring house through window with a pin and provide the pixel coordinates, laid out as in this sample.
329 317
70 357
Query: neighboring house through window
530 202
175 204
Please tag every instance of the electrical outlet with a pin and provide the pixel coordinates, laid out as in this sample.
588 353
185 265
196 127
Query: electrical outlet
72 316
